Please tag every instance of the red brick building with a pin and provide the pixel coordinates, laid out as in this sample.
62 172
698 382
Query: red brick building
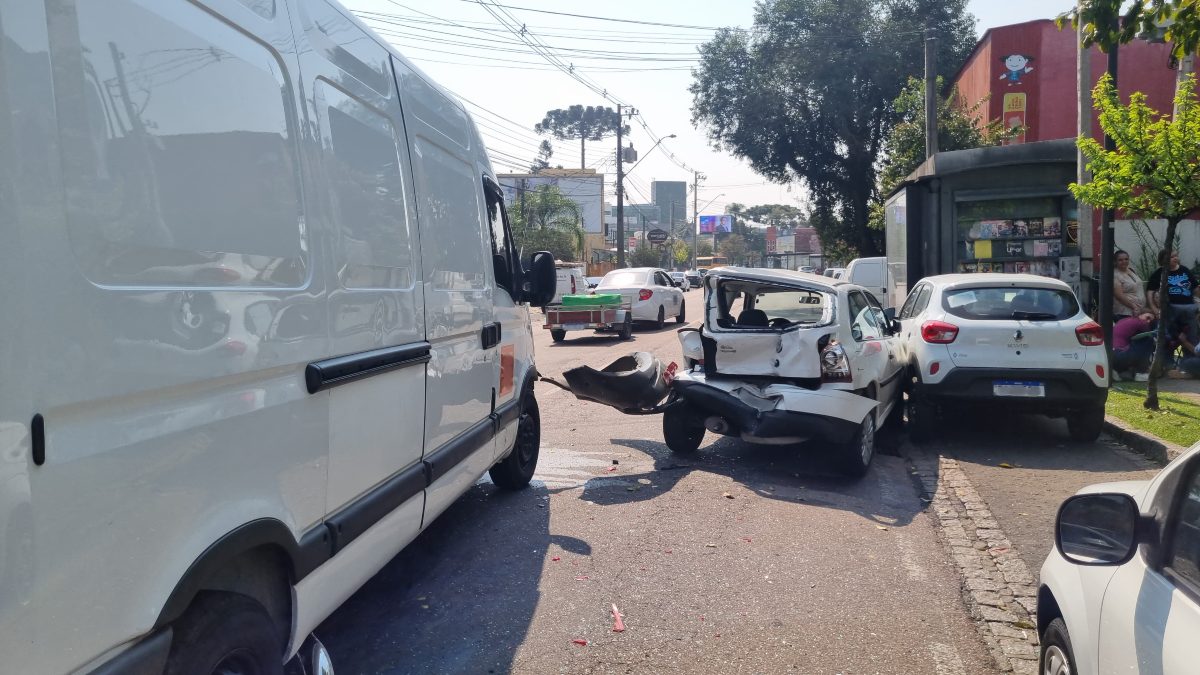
1029 71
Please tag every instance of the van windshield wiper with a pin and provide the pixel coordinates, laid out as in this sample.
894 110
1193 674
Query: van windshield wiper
1034 316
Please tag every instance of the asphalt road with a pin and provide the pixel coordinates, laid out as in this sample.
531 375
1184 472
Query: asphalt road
742 558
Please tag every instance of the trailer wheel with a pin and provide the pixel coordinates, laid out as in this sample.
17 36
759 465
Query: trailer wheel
627 327
683 430
558 334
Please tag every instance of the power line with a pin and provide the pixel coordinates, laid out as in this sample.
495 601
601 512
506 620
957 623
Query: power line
601 18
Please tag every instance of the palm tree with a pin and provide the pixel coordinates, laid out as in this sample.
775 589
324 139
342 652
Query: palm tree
543 211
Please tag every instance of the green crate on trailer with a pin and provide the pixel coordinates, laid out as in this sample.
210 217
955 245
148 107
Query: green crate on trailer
597 300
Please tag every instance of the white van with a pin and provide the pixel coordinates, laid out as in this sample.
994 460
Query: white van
263 321
570 279
874 275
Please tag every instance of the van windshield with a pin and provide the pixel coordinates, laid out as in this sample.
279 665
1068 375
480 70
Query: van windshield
1031 304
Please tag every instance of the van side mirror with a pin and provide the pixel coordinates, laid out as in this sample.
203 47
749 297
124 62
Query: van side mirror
1097 529
540 280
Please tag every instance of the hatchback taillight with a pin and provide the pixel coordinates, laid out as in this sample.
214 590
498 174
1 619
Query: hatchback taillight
1090 334
645 294
938 332
835 364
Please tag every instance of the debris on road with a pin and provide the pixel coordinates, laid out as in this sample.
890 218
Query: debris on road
711 545
582 577
616 462
728 495
555 559
1005 465
618 624
580 641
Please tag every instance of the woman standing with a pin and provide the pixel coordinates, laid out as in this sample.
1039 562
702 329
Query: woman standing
1128 299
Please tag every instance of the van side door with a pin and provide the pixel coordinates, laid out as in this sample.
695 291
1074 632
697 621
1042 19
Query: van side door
361 200
456 272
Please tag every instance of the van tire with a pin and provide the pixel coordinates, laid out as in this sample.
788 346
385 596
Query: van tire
223 632
683 430
662 318
515 471
681 317
1086 425
558 334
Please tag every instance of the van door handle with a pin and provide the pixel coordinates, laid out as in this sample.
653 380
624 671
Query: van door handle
491 335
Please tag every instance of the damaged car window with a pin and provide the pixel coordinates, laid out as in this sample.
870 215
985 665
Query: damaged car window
752 306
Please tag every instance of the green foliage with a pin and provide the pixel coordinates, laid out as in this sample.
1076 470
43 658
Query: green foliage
958 129
800 104
1154 172
542 161
644 255
542 219
591 123
1106 27
681 252
734 247
779 215
704 248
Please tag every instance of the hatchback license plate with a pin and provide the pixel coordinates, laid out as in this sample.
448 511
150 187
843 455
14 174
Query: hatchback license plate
1018 388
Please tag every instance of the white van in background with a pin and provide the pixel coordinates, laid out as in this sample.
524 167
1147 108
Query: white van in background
263 322
874 275
571 280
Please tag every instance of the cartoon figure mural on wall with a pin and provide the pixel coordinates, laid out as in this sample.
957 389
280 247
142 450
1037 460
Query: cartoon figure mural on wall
1016 65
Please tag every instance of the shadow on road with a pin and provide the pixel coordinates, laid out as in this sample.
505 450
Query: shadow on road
419 614
805 473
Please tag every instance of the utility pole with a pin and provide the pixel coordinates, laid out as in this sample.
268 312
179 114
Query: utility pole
621 185
696 216
931 98
1082 175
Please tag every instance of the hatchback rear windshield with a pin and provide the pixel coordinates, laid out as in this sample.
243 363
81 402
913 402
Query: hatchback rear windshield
623 280
1033 304
743 304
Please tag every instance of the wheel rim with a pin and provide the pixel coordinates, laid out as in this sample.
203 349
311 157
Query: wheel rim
240 662
528 438
866 448
1055 662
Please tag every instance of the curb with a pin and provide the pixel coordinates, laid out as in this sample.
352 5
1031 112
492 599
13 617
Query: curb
1142 442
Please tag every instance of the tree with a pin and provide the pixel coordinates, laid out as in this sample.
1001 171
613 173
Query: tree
1154 172
807 94
681 253
704 248
545 152
544 215
1106 27
644 255
592 123
779 215
958 129
734 248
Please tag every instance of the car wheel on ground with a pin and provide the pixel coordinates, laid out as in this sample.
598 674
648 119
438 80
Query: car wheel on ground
1086 425
558 334
225 633
662 318
1056 657
515 471
858 453
683 429
681 317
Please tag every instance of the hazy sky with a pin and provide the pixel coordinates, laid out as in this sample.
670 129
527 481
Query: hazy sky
468 50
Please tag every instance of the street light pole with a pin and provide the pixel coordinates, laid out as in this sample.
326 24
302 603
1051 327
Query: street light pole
620 191
696 215
647 154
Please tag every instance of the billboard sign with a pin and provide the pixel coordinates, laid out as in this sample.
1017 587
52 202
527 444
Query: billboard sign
657 236
715 224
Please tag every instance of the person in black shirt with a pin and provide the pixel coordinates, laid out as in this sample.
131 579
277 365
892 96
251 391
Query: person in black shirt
1182 284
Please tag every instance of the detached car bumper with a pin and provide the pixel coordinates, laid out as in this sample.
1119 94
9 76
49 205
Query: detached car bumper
1065 390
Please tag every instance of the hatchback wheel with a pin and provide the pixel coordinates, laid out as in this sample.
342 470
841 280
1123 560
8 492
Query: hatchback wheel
683 430
858 453
1086 425
1057 657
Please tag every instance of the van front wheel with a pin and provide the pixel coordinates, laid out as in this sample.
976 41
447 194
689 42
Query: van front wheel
515 471
225 633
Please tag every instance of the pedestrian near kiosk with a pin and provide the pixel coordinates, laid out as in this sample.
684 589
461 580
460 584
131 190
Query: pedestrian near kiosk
1133 346
1128 298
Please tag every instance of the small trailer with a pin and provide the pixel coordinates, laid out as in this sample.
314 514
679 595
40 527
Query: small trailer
600 312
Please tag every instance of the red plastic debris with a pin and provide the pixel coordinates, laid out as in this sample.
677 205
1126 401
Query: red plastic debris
669 375
668 551
612 468
582 578
555 559
701 618
580 641
618 624
746 539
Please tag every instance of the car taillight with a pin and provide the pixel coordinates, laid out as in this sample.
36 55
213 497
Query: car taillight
1090 334
835 365
645 294
938 332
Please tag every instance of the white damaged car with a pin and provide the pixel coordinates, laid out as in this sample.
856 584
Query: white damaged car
781 357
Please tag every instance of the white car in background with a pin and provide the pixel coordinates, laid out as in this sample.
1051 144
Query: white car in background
649 291
1120 592
1014 342
681 281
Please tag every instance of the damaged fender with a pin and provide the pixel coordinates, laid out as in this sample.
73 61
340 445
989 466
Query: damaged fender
634 383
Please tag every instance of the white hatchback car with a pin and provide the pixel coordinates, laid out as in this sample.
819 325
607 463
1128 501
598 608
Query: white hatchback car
1120 592
681 281
1012 341
784 357
649 291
